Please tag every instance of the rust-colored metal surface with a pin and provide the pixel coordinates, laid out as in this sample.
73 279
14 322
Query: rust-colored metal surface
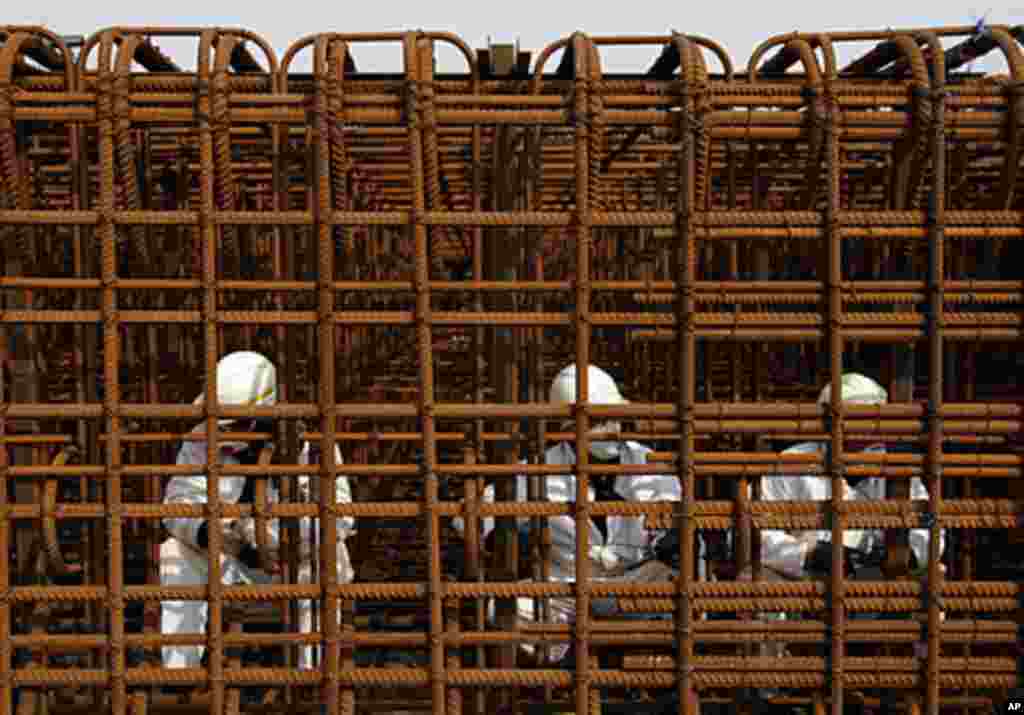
420 254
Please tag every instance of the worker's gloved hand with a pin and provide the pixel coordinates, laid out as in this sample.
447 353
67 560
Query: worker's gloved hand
249 556
235 544
819 560
238 533
267 559
666 549
232 539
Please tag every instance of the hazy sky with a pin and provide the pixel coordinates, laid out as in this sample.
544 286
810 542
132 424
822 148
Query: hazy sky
739 26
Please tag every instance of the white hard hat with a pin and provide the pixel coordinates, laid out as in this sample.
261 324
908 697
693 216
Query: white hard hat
857 389
245 379
601 388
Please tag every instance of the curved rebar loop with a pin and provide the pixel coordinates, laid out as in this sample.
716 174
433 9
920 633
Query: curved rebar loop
57 566
15 182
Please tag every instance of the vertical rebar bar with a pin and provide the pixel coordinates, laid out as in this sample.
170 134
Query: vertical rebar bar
211 405
417 82
328 556
107 233
835 466
686 255
581 89
936 279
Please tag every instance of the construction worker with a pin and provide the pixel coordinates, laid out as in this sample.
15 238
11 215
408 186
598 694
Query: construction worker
797 555
620 546
243 379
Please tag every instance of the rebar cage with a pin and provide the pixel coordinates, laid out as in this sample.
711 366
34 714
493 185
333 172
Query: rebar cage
419 254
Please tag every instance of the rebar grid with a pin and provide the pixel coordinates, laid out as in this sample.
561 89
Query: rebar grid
419 254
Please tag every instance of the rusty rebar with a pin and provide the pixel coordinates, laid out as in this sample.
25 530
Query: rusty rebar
420 253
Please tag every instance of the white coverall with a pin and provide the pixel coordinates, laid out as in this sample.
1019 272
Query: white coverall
182 563
783 553
628 538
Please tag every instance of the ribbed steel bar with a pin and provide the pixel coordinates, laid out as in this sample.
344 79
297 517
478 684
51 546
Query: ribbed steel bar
686 265
936 365
111 360
419 68
373 230
834 672
328 558
579 52
208 240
